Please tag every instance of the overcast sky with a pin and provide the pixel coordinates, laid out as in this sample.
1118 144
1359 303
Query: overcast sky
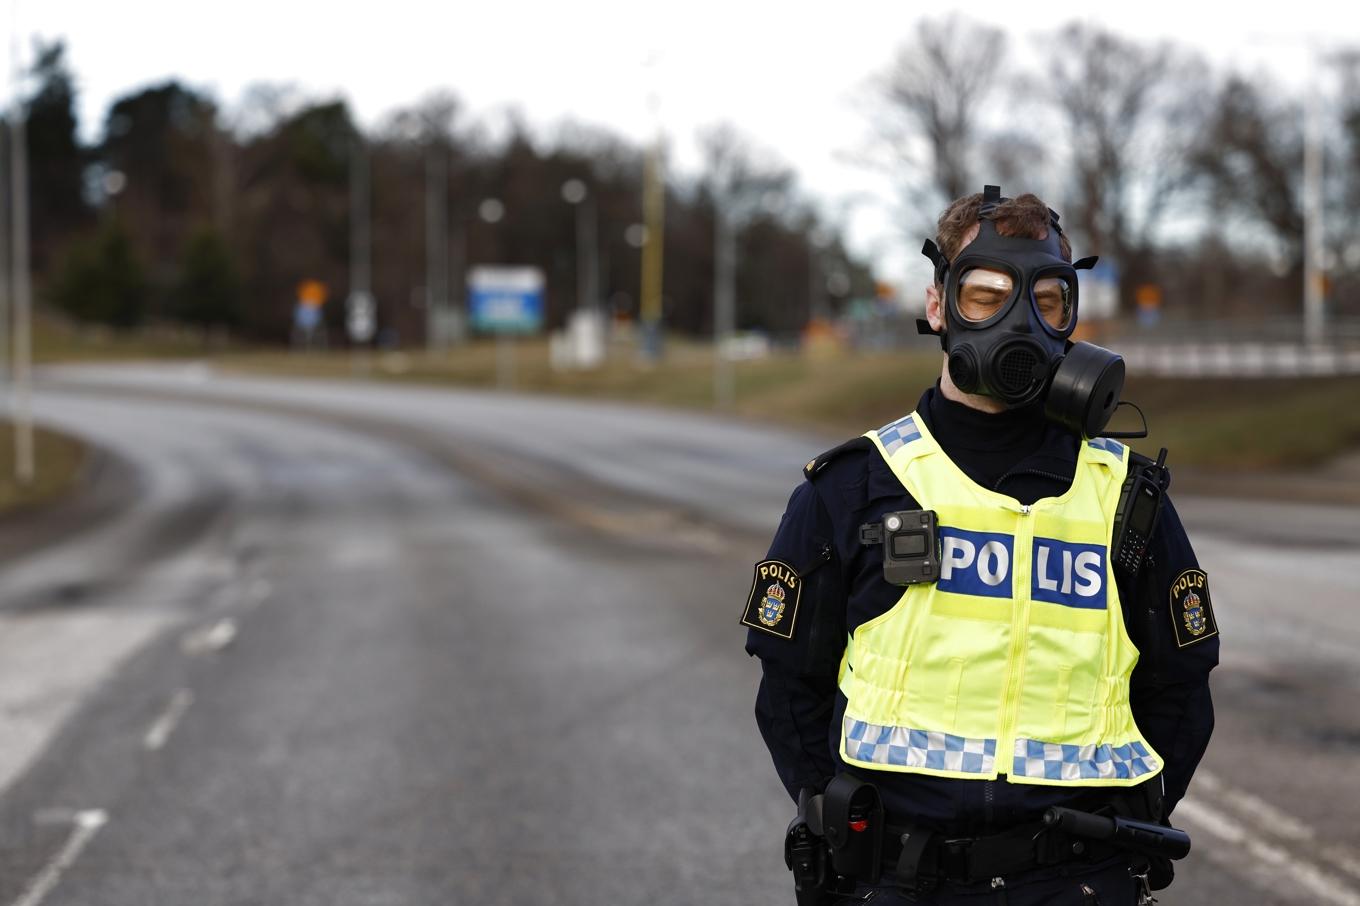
791 74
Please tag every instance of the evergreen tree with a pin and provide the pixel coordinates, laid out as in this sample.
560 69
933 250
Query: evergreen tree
56 162
101 280
208 291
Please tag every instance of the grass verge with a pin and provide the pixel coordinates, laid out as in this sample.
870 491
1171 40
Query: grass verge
59 460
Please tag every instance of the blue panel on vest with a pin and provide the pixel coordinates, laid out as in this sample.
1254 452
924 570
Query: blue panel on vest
896 434
1066 573
1109 446
975 563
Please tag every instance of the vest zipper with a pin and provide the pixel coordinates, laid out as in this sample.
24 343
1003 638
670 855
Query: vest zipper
1024 539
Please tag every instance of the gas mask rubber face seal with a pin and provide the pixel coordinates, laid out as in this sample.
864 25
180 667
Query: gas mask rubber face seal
1010 306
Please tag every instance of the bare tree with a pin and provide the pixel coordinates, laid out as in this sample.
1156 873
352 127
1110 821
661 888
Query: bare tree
1133 112
1014 157
1250 155
934 93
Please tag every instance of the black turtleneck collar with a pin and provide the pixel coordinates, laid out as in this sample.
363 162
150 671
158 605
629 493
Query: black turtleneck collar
993 448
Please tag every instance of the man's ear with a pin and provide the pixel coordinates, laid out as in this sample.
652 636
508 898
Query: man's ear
934 307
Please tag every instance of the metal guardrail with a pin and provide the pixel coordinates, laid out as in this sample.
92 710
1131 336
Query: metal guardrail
1340 331
1225 359
1263 348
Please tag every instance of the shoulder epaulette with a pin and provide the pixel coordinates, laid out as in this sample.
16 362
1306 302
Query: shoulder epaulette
818 463
1138 460
1155 470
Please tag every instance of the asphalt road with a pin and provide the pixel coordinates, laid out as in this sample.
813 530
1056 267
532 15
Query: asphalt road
372 644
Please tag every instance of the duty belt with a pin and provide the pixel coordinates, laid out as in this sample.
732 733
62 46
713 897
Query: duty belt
921 859
840 838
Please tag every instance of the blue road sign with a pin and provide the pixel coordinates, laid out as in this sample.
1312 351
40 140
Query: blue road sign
505 299
307 317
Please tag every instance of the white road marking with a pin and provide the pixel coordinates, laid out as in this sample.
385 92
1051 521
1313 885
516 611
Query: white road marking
210 638
1322 884
87 824
1274 821
1348 862
1267 815
159 734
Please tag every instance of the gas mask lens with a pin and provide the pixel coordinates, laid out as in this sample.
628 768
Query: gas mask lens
983 292
1053 299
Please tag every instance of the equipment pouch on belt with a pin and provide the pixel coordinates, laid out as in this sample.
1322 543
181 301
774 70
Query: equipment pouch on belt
852 820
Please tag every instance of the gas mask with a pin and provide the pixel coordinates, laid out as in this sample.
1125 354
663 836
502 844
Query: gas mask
1010 307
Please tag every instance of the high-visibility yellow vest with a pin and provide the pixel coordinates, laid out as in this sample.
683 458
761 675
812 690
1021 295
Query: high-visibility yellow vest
1016 662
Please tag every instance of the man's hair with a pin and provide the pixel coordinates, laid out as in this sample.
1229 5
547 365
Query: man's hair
1025 216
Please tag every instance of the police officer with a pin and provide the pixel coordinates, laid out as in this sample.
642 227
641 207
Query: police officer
1024 670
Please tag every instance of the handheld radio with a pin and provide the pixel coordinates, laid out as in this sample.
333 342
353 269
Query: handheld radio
1140 505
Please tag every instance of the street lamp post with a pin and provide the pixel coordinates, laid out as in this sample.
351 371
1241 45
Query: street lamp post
654 216
575 193
724 304
23 290
1314 301
361 313
436 244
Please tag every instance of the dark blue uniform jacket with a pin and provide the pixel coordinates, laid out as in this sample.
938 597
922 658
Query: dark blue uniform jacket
799 707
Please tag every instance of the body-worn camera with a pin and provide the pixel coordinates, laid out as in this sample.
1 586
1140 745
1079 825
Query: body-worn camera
911 545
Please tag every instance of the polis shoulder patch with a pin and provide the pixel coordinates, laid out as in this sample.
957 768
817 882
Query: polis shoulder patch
1192 617
772 605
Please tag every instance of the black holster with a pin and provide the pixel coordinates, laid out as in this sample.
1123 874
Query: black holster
806 853
852 816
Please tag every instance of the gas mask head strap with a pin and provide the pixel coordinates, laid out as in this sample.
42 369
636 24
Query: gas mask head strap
991 197
937 258
991 200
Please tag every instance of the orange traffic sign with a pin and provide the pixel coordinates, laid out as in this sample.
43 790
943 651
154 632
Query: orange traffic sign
312 293
1148 296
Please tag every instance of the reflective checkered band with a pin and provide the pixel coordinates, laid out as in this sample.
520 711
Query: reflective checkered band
899 433
1055 761
918 748
1108 445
